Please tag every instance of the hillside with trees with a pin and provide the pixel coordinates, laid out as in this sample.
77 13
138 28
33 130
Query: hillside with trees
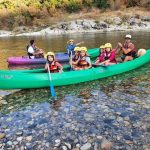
42 13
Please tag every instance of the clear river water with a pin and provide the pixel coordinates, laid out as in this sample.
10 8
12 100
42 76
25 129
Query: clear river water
112 111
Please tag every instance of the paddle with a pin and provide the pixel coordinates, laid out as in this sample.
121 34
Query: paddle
71 61
51 84
98 65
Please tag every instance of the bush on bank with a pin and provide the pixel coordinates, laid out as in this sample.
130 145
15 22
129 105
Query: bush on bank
28 12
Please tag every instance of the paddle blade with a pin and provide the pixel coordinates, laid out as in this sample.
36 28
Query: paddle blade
52 90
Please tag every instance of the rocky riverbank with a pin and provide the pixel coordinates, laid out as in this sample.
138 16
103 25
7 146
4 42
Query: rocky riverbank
134 23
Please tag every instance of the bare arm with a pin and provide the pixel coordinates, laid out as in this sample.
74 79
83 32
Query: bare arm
79 43
46 66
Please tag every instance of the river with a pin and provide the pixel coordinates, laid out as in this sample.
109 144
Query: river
112 112
16 46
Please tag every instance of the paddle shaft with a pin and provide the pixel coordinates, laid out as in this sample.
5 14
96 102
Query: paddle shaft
51 84
71 60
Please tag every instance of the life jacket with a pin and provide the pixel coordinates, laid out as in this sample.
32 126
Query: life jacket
132 52
75 58
107 55
82 62
53 67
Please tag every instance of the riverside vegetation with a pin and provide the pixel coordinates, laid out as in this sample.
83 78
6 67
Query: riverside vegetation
39 14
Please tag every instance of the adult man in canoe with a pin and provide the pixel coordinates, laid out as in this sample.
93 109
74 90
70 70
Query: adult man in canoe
33 51
128 48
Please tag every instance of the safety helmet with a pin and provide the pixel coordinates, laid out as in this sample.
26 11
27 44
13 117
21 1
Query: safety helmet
128 36
83 49
49 54
102 46
108 45
77 49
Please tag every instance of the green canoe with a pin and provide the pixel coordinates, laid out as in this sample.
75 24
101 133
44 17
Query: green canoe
39 79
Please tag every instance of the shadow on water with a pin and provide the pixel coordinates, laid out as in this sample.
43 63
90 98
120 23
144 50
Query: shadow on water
127 86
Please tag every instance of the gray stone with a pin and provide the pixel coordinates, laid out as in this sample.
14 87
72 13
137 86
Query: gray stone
145 18
19 133
2 135
106 145
89 117
68 145
117 20
19 139
64 147
86 146
9 143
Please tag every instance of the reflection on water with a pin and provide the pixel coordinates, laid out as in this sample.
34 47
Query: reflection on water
16 46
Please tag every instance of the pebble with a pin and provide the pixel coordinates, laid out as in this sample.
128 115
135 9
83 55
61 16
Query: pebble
106 145
19 133
29 138
19 139
86 146
2 135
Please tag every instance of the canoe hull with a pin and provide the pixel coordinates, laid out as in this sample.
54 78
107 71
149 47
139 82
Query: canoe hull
13 80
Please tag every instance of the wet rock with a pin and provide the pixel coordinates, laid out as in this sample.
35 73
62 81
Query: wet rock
19 133
2 135
89 117
9 143
57 142
86 146
129 142
68 145
106 145
29 138
19 139
64 147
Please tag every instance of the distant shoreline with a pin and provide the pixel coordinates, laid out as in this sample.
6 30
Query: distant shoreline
84 26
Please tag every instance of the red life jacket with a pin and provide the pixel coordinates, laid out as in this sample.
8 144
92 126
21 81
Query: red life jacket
75 58
53 67
107 55
82 62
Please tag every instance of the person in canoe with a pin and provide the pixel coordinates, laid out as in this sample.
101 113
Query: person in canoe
108 57
33 51
102 50
71 45
53 65
128 48
75 57
84 61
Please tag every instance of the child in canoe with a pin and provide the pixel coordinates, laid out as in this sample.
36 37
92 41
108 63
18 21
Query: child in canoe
53 65
108 57
71 45
75 57
83 61
102 50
